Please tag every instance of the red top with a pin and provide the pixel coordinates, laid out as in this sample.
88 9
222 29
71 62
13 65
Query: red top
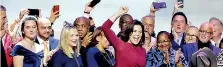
126 54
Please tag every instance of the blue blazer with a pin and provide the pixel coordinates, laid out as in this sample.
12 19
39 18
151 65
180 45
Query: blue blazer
53 43
189 49
176 46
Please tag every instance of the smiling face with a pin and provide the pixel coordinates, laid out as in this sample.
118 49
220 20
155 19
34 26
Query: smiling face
205 32
191 35
136 35
179 24
30 29
73 37
163 42
3 22
44 28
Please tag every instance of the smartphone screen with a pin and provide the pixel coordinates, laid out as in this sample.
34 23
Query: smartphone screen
182 2
94 2
158 5
34 12
56 8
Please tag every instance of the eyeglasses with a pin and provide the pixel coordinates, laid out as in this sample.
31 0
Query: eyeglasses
191 35
206 32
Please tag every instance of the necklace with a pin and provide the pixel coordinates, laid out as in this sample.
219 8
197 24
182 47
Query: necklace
31 46
108 60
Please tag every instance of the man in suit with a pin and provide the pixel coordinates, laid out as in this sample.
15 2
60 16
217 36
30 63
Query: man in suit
178 25
6 42
204 37
43 38
218 28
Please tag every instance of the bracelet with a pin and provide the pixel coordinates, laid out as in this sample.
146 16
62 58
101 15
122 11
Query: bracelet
86 12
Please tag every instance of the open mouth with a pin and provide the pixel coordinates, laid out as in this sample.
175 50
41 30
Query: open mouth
178 28
74 41
136 38
203 37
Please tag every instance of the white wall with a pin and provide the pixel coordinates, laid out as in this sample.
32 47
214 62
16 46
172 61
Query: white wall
197 11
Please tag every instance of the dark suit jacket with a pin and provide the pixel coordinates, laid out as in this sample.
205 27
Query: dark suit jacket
53 43
189 49
176 46
3 57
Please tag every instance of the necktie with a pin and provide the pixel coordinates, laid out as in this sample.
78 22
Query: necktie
46 50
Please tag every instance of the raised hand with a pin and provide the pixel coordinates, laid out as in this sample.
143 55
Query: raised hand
177 5
54 15
152 9
166 57
87 39
23 12
178 54
88 8
174 33
123 10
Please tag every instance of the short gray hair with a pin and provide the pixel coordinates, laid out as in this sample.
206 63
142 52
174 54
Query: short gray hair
214 18
2 8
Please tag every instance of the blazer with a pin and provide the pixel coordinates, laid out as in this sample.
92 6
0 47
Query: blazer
189 49
176 46
53 43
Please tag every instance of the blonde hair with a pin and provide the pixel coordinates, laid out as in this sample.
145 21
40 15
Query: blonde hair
63 44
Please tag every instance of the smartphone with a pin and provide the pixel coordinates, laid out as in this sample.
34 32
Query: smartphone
34 12
182 2
94 2
56 8
158 5
91 29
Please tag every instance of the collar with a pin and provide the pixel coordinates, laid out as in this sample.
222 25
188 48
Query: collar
41 40
218 42
181 36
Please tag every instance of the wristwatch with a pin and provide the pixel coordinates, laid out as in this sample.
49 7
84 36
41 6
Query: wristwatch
86 12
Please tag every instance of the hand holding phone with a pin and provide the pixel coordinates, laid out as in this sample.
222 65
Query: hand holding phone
94 2
158 5
181 2
56 8
34 12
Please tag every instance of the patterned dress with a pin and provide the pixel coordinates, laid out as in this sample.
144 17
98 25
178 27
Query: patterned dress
155 58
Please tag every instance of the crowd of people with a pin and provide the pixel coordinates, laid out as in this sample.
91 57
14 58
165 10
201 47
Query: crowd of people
29 41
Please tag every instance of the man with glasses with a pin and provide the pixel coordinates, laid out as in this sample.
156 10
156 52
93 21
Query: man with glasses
191 35
204 36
